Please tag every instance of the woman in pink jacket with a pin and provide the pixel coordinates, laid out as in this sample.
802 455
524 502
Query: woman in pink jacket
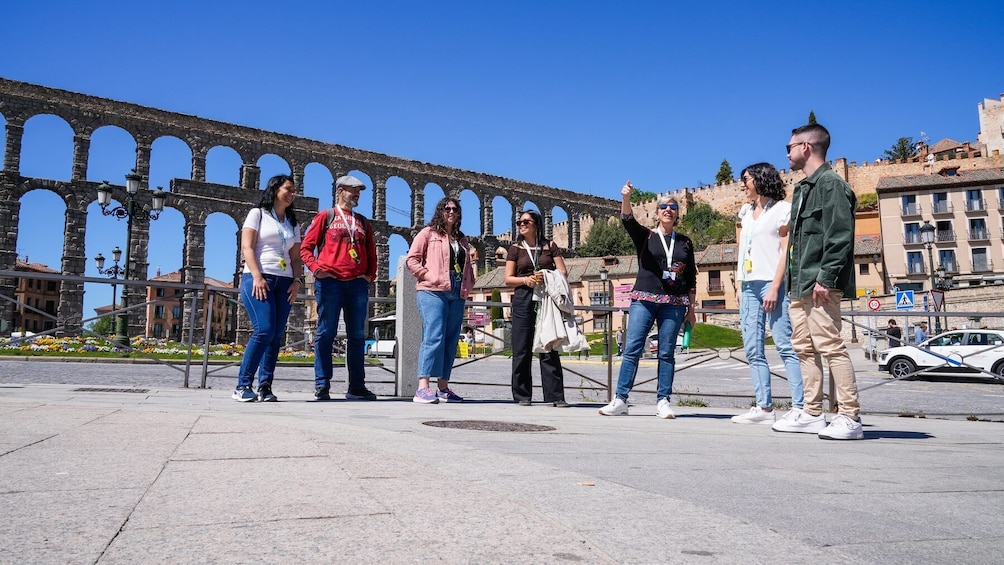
440 258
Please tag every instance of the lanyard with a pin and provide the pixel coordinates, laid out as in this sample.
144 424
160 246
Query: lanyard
351 230
668 250
282 232
534 255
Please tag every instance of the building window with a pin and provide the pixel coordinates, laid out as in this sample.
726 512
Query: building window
911 233
160 293
914 263
981 262
946 258
158 330
51 286
862 268
176 312
158 311
940 205
715 281
974 201
910 207
1000 198
943 231
978 229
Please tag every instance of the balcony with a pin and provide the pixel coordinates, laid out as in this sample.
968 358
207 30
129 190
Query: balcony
912 209
942 236
950 266
915 269
943 207
976 205
982 266
979 234
715 287
911 238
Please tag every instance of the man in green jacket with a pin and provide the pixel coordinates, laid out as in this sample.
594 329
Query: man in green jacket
821 272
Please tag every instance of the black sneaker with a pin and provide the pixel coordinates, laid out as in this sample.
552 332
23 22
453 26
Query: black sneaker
321 394
361 394
265 394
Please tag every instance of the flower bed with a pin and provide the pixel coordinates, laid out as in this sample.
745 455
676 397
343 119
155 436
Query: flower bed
93 347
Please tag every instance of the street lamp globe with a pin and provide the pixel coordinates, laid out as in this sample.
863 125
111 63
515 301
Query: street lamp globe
927 233
99 261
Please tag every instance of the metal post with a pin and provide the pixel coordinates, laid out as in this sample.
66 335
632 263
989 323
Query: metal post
208 302
122 318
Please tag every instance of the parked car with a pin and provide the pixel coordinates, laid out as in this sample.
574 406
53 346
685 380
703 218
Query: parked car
653 343
947 354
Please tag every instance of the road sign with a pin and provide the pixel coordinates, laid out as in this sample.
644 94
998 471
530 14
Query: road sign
938 298
874 304
904 300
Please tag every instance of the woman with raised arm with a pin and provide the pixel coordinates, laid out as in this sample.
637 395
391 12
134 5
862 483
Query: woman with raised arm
664 292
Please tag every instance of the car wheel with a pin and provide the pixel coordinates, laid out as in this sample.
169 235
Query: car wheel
901 367
999 369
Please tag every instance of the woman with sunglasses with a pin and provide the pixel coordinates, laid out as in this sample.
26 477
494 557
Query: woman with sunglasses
664 292
762 297
524 266
440 258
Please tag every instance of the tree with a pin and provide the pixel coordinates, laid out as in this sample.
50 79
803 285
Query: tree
724 173
495 312
902 150
103 326
812 117
639 196
606 237
706 226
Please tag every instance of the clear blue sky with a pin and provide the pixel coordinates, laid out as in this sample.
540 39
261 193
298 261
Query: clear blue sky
579 95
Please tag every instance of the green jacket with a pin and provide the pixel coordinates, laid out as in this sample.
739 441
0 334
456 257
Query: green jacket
822 235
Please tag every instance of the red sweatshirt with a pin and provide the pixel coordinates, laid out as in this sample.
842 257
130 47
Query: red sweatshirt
340 239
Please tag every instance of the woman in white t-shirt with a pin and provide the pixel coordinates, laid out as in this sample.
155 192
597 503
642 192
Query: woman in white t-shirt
763 252
270 242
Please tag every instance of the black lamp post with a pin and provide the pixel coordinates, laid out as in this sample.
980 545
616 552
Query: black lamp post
130 210
927 238
113 272
606 333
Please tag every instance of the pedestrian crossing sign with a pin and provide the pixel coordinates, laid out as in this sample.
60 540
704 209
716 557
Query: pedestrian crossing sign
904 300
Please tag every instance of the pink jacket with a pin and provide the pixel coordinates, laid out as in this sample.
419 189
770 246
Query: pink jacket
429 260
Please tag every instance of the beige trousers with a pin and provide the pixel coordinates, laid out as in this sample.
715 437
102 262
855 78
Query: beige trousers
815 334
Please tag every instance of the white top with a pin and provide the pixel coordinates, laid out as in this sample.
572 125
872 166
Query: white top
760 241
274 242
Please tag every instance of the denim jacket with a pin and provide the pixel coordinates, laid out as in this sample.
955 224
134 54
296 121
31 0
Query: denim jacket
822 235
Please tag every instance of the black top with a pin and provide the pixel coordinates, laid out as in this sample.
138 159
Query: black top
524 264
652 261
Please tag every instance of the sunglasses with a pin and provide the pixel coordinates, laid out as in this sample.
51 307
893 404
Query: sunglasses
675 207
787 148
524 222
451 209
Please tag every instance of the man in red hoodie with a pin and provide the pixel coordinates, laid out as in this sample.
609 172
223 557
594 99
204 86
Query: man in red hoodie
343 268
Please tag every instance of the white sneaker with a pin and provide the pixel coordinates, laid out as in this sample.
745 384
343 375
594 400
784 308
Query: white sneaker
842 427
797 421
756 415
617 407
663 410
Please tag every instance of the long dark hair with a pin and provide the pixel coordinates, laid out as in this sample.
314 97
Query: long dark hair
767 181
267 200
437 223
538 224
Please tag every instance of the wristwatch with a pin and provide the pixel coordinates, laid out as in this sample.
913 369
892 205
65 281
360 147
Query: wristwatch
302 279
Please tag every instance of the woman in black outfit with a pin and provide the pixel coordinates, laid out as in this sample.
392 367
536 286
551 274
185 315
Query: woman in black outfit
527 257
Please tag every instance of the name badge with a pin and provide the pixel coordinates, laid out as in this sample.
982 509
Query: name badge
668 276
748 265
355 255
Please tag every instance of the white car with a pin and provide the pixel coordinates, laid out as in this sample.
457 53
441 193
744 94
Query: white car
948 354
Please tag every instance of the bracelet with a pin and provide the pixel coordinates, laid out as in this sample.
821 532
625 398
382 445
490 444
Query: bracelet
302 280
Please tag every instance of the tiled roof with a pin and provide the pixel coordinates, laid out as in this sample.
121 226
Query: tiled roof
175 277
718 253
944 145
20 265
962 178
867 245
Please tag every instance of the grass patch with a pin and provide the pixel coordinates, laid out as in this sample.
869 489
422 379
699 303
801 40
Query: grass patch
695 402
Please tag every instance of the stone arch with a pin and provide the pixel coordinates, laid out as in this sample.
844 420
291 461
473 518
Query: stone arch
317 182
398 193
504 213
111 154
3 146
223 165
170 158
470 203
46 149
269 165
432 193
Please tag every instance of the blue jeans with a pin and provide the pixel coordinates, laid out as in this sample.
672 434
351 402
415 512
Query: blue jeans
335 297
669 319
442 316
268 318
754 321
